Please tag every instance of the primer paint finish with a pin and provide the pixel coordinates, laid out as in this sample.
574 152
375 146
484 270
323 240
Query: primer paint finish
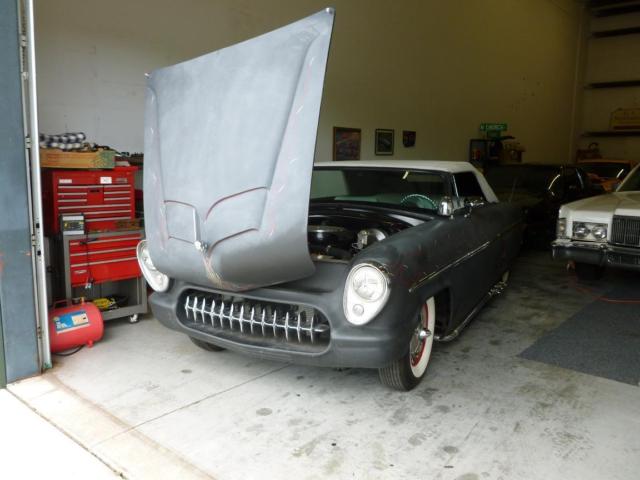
229 145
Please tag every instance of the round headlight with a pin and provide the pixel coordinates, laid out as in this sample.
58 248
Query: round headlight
599 232
369 283
366 292
155 278
580 230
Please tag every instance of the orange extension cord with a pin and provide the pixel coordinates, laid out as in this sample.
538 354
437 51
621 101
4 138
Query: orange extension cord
597 296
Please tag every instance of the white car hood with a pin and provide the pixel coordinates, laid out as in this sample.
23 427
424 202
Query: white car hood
603 207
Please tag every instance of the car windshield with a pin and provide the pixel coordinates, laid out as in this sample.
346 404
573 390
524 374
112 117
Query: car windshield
632 183
528 179
606 170
409 188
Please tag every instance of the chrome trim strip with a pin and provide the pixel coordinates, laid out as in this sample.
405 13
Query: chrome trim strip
495 290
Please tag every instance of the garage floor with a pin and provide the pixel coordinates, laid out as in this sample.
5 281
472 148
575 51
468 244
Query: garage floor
152 405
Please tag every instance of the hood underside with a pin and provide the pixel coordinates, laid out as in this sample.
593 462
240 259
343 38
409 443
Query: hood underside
229 146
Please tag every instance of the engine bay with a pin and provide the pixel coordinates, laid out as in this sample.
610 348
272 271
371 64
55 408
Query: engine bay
341 236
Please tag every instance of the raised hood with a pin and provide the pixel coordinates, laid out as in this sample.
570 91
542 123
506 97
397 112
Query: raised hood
229 145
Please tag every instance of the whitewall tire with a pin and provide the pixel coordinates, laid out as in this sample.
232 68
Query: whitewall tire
407 371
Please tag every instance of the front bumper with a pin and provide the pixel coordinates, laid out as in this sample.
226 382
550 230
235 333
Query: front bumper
373 345
602 254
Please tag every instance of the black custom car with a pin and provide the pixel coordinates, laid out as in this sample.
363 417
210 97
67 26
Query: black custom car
540 190
353 264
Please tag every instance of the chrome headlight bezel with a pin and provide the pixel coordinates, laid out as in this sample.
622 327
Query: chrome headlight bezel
154 277
360 306
589 231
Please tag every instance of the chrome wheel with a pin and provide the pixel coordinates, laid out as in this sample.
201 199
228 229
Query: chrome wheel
406 372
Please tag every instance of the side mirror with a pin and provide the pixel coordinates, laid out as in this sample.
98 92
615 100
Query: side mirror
445 207
473 202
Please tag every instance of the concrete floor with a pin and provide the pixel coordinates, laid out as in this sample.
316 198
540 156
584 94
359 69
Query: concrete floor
152 405
26 436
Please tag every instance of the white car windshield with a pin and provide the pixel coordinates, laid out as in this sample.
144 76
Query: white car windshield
632 183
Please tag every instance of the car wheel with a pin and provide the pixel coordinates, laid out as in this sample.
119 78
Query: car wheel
587 271
206 345
407 371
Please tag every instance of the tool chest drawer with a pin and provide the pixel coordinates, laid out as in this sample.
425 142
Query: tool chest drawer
98 258
102 196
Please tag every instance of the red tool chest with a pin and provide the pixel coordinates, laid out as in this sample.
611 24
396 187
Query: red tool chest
102 257
103 196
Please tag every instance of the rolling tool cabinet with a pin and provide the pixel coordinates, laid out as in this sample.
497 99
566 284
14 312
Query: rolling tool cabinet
102 261
104 197
101 264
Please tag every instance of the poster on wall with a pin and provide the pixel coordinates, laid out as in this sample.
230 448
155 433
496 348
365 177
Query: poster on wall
408 138
346 143
384 141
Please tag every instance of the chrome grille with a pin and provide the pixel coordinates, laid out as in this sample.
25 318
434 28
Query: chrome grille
255 321
626 231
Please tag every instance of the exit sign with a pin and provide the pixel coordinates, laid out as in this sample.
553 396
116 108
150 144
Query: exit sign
493 127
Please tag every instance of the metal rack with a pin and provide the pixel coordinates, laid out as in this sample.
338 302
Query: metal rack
130 285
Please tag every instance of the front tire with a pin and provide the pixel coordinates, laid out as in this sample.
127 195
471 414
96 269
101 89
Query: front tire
210 347
406 372
587 271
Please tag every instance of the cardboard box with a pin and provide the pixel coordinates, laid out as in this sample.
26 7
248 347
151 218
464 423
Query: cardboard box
55 158
625 119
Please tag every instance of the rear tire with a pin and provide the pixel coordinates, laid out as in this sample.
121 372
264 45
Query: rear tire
210 347
406 372
587 271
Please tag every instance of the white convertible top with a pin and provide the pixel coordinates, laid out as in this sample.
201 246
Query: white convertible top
437 165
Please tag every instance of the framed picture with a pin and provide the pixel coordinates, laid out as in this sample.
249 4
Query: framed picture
346 143
384 141
409 138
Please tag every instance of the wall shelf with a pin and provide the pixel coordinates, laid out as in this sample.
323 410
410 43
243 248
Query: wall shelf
612 133
616 32
614 84
614 10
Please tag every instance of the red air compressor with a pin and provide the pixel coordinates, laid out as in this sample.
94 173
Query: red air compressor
74 325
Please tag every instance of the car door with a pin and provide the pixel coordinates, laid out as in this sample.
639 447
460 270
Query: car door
483 264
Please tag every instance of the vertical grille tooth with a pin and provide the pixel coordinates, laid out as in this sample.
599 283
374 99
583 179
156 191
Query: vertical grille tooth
186 306
219 313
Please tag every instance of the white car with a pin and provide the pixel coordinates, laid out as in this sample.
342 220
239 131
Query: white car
602 231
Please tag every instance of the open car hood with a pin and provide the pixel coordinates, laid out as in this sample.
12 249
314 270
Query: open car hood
229 145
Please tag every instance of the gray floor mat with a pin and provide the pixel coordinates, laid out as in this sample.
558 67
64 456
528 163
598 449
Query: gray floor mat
602 339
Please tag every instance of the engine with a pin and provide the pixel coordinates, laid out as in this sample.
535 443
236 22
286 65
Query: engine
339 242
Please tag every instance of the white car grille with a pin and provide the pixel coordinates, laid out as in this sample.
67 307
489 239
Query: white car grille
626 231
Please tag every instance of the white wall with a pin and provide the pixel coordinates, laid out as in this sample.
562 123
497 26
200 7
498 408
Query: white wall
439 68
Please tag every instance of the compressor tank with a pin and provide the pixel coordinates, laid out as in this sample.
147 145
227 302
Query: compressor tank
74 325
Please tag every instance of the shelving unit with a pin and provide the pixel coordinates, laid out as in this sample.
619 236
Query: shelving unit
612 133
614 84
622 22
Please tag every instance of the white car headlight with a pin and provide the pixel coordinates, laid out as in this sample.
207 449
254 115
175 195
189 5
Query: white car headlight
365 293
158 280
593 232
